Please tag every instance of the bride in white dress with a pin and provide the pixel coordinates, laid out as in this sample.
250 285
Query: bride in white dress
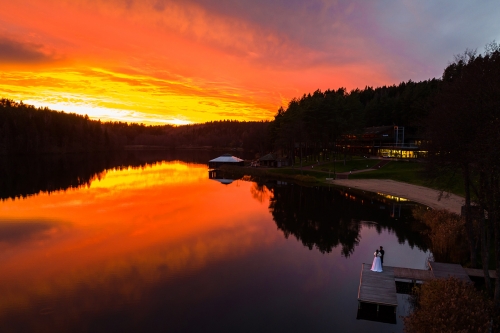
377 263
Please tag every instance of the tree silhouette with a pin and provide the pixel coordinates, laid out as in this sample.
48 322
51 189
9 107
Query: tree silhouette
325 218
463 129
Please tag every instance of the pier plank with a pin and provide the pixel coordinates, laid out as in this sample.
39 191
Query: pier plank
413 274
442 270
479 272
378 288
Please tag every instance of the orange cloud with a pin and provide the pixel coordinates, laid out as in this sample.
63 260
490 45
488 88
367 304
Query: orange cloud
163 61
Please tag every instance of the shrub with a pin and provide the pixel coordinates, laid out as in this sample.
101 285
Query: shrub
449 305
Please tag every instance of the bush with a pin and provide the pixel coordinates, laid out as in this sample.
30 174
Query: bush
447 235
449 305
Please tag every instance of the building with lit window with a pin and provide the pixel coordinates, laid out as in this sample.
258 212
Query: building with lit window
384 141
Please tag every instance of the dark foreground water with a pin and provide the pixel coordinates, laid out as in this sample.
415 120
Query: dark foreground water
154 245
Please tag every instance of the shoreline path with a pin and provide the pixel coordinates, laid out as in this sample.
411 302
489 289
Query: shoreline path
423 195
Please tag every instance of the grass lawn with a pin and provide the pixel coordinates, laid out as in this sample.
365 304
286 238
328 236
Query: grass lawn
414 173
300 176
358 164
319 173
339 166
404 171
397 170
299 172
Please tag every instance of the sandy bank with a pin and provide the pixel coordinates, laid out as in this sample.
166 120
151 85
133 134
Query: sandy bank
420 194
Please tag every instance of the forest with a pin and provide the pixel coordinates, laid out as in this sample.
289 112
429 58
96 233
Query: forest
316 120
25 129
457 115
463 128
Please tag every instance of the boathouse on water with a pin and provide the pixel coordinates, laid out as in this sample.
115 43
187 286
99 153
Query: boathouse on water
226 159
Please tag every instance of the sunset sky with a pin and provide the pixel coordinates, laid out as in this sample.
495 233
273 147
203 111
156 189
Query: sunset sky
190 61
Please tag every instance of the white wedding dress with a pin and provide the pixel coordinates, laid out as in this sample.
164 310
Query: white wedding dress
377 263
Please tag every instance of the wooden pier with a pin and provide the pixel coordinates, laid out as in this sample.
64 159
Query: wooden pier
412 274
380 288
377 288
441 270
480 273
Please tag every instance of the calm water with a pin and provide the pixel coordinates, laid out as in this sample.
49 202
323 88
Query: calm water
137 246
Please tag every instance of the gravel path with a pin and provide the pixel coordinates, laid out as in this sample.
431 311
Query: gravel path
420 194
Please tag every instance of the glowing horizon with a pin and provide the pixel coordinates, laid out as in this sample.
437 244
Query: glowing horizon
162 62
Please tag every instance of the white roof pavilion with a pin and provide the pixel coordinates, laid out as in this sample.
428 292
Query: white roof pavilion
226 158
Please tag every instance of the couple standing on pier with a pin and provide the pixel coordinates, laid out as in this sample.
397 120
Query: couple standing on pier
378 260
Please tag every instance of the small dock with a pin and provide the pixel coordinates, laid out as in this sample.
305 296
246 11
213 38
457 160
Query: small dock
412 274
377 288
475 272
380 288
443 271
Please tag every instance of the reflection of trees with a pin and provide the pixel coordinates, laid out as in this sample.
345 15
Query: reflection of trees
22 176
326 218
447 235
259 192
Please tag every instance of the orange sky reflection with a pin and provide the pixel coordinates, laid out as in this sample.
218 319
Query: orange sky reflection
135 219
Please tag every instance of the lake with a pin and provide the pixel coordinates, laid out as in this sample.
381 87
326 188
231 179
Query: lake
147 242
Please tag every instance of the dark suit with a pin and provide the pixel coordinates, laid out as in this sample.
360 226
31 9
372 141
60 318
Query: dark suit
382 256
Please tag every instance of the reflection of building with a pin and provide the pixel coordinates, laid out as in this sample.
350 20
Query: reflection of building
385 141
394 206
226 159
218 175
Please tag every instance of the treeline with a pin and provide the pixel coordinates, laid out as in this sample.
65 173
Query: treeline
25 129
25 175
318 120
464 132
458 116
250 135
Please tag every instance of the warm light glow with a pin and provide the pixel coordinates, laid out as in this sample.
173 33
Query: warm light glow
107 114
166 61
392 197
163 61
135 218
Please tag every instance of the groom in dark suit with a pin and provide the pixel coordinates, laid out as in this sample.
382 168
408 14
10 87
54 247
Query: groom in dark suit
382 252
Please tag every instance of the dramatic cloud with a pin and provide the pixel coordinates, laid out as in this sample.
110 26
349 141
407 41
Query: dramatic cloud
15 52
201 60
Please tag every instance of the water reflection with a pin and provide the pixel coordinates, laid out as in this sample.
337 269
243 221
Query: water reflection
220 177
15 232
326 218
26 175
161 247
132 232
381 314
